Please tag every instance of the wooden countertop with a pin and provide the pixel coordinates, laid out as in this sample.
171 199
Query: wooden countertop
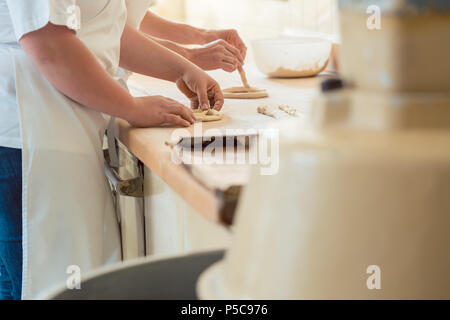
148 145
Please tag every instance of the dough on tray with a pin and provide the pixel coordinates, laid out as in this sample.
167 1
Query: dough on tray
208 115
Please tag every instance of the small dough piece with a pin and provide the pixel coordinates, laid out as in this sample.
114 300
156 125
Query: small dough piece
207 115
244 93
279 112
267 111
289 110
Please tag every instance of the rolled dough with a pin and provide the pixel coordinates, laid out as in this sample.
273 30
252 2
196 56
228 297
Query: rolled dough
244 93
301 73
207 115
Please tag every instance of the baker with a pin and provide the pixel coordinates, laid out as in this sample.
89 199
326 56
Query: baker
59 85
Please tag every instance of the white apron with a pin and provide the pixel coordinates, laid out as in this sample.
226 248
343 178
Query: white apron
68 214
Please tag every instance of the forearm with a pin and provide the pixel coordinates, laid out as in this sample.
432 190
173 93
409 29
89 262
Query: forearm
161 28
69 65
181 50
143 55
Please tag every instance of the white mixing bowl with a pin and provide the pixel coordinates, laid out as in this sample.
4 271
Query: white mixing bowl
292 57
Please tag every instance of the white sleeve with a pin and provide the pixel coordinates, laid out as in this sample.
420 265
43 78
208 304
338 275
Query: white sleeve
136 10
32 15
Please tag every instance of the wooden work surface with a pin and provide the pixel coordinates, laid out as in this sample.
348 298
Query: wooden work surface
148 145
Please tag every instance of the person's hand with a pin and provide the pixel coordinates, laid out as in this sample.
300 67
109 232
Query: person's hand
203 91
218 54
156 110
232 37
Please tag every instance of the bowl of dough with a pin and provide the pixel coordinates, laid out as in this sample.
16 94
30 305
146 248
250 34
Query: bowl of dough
292 57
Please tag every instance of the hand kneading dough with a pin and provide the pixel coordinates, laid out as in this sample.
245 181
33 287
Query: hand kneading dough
207 115
244 93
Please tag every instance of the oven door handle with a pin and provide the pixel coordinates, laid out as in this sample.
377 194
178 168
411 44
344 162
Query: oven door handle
130 187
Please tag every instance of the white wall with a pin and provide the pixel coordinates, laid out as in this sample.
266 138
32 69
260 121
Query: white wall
263 18
255 19
171 9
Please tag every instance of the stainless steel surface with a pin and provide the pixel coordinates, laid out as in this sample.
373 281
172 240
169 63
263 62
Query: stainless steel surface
129 187
127 183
